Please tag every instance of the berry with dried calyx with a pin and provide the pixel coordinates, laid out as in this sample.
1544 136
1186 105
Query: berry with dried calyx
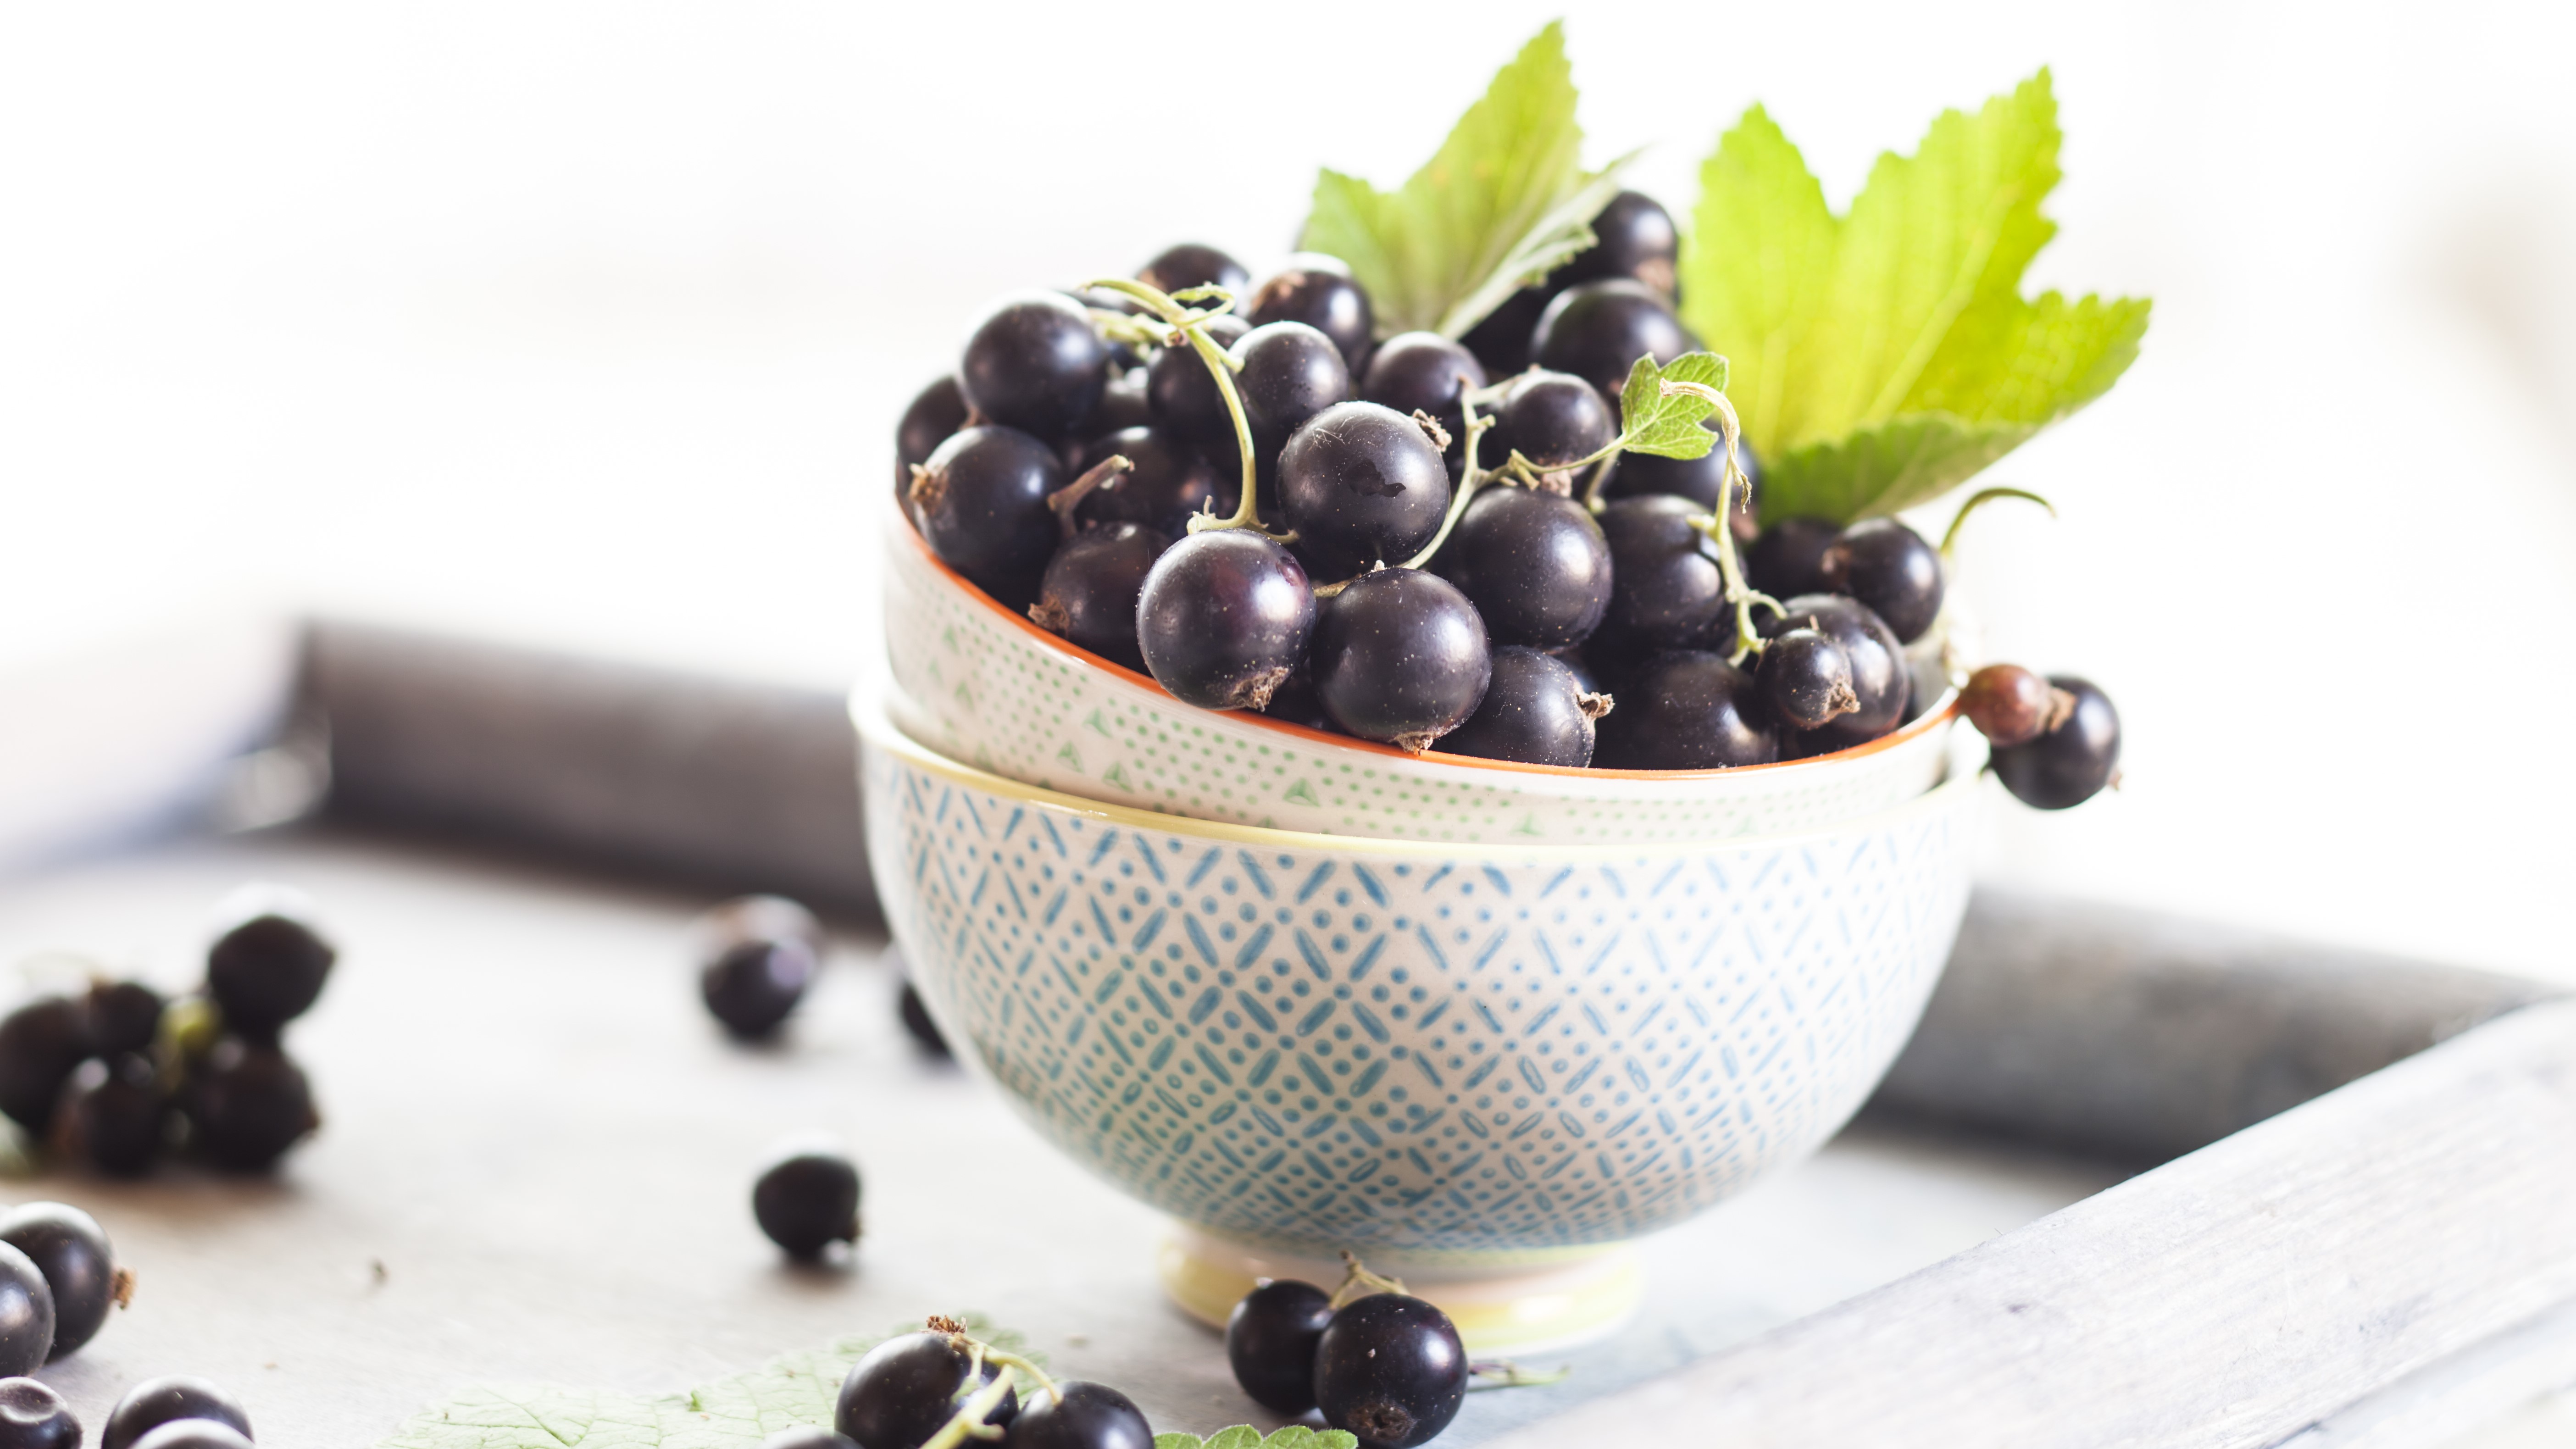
1089 591
981 505
1390 1369
1224 618
1806 678
1888 567
1361 484
1400 656
908 1388
72 1251
2069 763
1536 711
1685 709
937 412
33 1416
2011 705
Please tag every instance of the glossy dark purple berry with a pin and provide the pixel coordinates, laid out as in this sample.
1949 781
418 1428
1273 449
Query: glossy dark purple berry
26 1314
1080 1415
1502 340
33 1416
1806 679
1666 589
168 1399
1124 403
1535 564
1035 363
1598 330
1879 679
193 1434
72 1251
1536 711
807 1200
981 505
1270 1342
761 955
2070 764
1192 264
1554 419
1224 618
1089 592
1889 567
1183 394
808 1436
1687 709
1632 237
40 1045
115 1114
2011 705
1318 291
1426 372
1361 484
917 1022
268 970
1290 373
939 410
1391 1370
907 1388
124 1016
1400 657
247 1104
1785 559
1167 480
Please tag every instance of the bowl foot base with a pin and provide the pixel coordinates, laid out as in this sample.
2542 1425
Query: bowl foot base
1563 1302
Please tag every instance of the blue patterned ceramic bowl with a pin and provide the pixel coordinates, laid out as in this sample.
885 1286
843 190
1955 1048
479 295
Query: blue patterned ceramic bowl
1433 1054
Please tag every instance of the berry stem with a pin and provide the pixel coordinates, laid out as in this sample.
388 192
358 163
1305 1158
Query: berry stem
1191 323
1748 640
1505 1374
1982 497
1358 1282
968 1421
1069 497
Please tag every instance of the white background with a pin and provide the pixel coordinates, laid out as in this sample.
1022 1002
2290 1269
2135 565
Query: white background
587 324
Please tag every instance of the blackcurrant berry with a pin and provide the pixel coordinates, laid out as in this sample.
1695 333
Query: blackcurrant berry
981 505
1191 264
1295 702
1224 618
1080 1415
1587 676
1785 560
1806 678
1123 404
155 1402
916 1020
1687 710
70 1249
1183 393
1554 419
1598 330
33 1416
26 1314
247 1104
1361 484
124 1016
2011 705
269 969
1879 679
908 1387
1696 479
116 1115
193 1434
1502 341
1536 711
808 1436
1666 589
1425 372
938 411
1290 373
1632 237
1400 657
1088 594
40 1044
752 986
1535 564
1391 1370
807 1200
1166 481
1318 291
1889 567
1035 363
1270 1341
2069 764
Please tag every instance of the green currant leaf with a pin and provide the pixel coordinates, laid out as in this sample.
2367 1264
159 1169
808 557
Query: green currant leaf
1177 1440
1667 423
1885 356
1503 202
729 1413
1241 1436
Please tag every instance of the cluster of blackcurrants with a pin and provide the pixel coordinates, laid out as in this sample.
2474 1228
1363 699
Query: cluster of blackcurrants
940 1388
172 1412
117 1076
1411 553
759 955
1374 1360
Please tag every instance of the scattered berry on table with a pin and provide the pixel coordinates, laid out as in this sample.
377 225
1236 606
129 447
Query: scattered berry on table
247 1104
33 1416
270 968
193 1434
1401 657
26 1314
807 1200
2070 763
170 1399
1079 1415
916 1019
79 1265
116 1114
124 1016
1536 711
762 953
908 1387
1390 1369
1270 1342
40 1044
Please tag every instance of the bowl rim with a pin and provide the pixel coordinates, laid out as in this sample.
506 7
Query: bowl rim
876 729
1942 708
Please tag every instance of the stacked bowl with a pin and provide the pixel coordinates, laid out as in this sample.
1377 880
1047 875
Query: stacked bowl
1481 1023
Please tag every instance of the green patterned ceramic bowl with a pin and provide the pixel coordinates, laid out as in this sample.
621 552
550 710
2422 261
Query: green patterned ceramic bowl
982 685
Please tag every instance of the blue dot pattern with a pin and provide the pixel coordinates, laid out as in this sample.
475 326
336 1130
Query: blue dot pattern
1424 1053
